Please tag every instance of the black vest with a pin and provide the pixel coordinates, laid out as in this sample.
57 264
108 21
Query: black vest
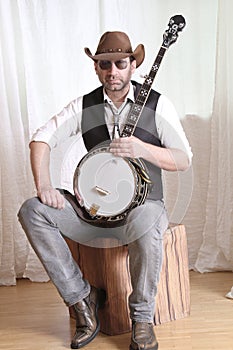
94 130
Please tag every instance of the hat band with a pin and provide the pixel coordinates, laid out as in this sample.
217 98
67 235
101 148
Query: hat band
113 50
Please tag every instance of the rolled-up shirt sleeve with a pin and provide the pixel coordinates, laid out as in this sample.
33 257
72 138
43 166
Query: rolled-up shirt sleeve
62 125
169 127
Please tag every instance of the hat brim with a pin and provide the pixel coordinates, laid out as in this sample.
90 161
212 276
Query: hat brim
138 54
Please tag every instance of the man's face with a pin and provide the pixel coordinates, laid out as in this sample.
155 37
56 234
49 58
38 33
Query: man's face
115 75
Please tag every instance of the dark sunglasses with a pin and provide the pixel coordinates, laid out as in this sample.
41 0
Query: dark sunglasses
105 65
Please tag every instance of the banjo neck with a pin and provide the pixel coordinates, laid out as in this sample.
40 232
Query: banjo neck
137 107
176 24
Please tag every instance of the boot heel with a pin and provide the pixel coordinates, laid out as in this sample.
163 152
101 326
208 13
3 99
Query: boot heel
101 298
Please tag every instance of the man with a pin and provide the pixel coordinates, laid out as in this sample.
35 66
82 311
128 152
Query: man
49 216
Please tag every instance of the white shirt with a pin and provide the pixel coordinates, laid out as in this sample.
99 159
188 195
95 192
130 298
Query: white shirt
67 125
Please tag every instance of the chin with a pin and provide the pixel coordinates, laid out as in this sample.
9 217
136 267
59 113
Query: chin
113 87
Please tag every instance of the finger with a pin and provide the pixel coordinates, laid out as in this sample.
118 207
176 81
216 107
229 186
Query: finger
120 152
53 198
60 201
120 141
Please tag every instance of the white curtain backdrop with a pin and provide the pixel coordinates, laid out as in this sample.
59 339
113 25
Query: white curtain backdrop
216 250
43 67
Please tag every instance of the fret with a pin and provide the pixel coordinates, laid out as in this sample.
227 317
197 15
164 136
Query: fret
154 68
138 103
136 108
143 92
128 130
125 134
132 117
149 81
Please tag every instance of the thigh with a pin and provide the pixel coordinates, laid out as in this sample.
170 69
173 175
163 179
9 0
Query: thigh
36 216
151 217
72 226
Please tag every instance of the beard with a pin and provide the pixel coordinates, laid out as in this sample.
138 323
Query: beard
116 83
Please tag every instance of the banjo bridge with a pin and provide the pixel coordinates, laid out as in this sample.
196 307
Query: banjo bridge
101 191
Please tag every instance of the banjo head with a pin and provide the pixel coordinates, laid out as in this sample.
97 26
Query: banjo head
106 184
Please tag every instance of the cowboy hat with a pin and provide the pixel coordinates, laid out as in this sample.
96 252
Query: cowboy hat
115 46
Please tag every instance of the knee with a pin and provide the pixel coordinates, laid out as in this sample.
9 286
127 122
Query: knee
147 219
27 209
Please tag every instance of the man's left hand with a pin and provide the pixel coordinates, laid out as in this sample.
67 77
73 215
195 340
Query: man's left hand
130 147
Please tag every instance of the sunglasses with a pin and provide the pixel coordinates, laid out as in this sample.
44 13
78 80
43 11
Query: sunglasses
105 65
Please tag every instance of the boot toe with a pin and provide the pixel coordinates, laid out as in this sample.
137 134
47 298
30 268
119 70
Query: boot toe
87 321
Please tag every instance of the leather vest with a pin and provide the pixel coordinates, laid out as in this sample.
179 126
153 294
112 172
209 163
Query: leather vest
94 130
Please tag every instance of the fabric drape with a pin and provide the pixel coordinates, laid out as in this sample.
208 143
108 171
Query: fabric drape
216 251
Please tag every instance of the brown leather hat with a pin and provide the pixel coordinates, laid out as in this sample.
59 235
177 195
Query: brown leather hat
114 46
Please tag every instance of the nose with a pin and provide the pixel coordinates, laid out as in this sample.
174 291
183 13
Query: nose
113 69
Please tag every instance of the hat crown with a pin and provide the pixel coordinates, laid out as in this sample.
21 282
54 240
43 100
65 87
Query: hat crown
114 42
116 46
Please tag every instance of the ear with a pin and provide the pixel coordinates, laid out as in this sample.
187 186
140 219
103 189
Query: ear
95 66
133 66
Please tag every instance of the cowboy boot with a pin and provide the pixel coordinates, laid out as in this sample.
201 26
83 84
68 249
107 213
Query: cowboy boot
87 322
143 337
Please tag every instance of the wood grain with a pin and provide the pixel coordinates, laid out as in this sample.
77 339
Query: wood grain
33 316
108 269
173 298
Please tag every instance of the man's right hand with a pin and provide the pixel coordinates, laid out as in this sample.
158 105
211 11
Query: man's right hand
51 197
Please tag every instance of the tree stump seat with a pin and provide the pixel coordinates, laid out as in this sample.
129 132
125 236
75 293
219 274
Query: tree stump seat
107 268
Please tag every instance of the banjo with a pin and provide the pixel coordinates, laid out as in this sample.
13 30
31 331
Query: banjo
110 186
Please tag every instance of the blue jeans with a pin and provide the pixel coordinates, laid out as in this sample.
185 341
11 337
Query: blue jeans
143 233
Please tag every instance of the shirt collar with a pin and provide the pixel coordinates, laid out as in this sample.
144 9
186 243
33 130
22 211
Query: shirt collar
129 96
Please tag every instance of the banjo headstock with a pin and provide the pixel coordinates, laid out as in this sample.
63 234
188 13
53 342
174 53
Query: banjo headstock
175 25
